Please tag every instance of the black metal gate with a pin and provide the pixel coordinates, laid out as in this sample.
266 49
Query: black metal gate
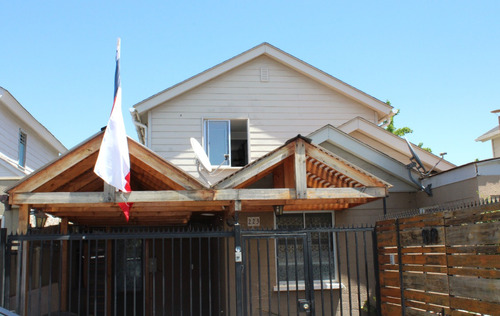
322 271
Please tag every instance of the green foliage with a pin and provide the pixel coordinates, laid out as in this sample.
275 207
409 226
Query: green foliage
402 131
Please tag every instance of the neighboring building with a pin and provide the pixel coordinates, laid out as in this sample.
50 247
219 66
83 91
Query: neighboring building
494 136
25 145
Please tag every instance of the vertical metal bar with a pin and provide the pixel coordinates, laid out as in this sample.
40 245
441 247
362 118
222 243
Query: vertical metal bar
163 274
376 271
258 277
115 277
366 272
70 242
61 262
287 277
320 275
8 268
228 278
310 273
238 271
269 278
219 276
153 244
124 265
330 276
51 264
144 276
400 263
191 275
249 284
40 261
339 271
348 273
89 244
209 278
80 276
180 276
134 291
106 277
20 251
357 271
276 242
3 237
200 274
96 264
172 284
296 265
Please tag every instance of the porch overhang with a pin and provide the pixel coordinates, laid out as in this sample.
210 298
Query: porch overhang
304 177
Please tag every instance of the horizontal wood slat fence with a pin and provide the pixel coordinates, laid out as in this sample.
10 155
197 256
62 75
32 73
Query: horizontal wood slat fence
448 262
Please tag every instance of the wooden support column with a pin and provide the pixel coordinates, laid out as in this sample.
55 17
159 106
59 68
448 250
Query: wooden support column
64 269
300 170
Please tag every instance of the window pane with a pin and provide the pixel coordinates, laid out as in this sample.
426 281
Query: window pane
217 141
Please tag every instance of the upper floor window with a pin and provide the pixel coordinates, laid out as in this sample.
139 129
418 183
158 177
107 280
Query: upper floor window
226 138
22 148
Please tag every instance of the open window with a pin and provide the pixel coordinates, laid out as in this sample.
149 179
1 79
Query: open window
226 139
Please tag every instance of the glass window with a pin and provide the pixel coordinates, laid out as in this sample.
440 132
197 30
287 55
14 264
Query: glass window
22 148
291 250
227 138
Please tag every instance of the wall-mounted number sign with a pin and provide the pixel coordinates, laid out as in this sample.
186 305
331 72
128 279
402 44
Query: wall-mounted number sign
253 221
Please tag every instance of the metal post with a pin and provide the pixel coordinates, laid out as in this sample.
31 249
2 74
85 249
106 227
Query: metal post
238 260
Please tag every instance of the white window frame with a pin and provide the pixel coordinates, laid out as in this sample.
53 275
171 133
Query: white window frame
206 145
299 285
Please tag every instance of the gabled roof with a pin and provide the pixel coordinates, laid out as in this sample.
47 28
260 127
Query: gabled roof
20 112
269 50
73 173
346 142
309 170
394 142
489 135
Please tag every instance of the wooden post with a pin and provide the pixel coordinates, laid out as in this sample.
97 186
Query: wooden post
300 170
64 268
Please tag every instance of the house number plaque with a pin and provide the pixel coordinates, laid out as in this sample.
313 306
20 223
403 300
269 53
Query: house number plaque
253 221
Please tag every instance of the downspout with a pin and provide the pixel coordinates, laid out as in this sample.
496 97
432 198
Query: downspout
387 119
139 126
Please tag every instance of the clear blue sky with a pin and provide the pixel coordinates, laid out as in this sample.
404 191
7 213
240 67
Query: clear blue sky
436 61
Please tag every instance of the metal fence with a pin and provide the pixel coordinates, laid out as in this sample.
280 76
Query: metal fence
323 271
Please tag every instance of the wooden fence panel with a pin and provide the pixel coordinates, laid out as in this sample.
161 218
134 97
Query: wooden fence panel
450 262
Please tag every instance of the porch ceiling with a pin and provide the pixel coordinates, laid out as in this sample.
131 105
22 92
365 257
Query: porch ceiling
304 177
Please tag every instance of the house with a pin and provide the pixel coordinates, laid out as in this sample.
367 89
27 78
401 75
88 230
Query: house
494 136
25 145
252 103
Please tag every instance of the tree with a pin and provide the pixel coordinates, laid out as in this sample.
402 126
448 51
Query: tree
401 132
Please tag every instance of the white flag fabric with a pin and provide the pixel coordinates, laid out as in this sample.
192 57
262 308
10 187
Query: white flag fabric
113 162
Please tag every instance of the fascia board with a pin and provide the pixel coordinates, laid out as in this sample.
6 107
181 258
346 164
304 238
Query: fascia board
363 151
493 133
459 174
380 107
19 111
393 141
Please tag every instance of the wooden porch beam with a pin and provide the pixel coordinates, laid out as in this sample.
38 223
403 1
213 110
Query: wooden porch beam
300 170
96 199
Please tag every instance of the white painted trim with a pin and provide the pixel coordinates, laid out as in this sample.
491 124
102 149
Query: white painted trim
382 109
19 111
350 144
395 142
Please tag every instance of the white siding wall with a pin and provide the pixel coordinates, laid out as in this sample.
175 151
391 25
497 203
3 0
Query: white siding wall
288 104
38 153
495 143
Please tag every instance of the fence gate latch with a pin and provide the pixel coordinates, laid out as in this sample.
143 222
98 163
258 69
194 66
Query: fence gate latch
237 254
304 305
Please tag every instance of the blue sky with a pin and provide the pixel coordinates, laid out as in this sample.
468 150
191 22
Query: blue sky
436 61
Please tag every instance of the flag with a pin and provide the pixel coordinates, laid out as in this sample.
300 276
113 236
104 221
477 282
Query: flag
113 162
